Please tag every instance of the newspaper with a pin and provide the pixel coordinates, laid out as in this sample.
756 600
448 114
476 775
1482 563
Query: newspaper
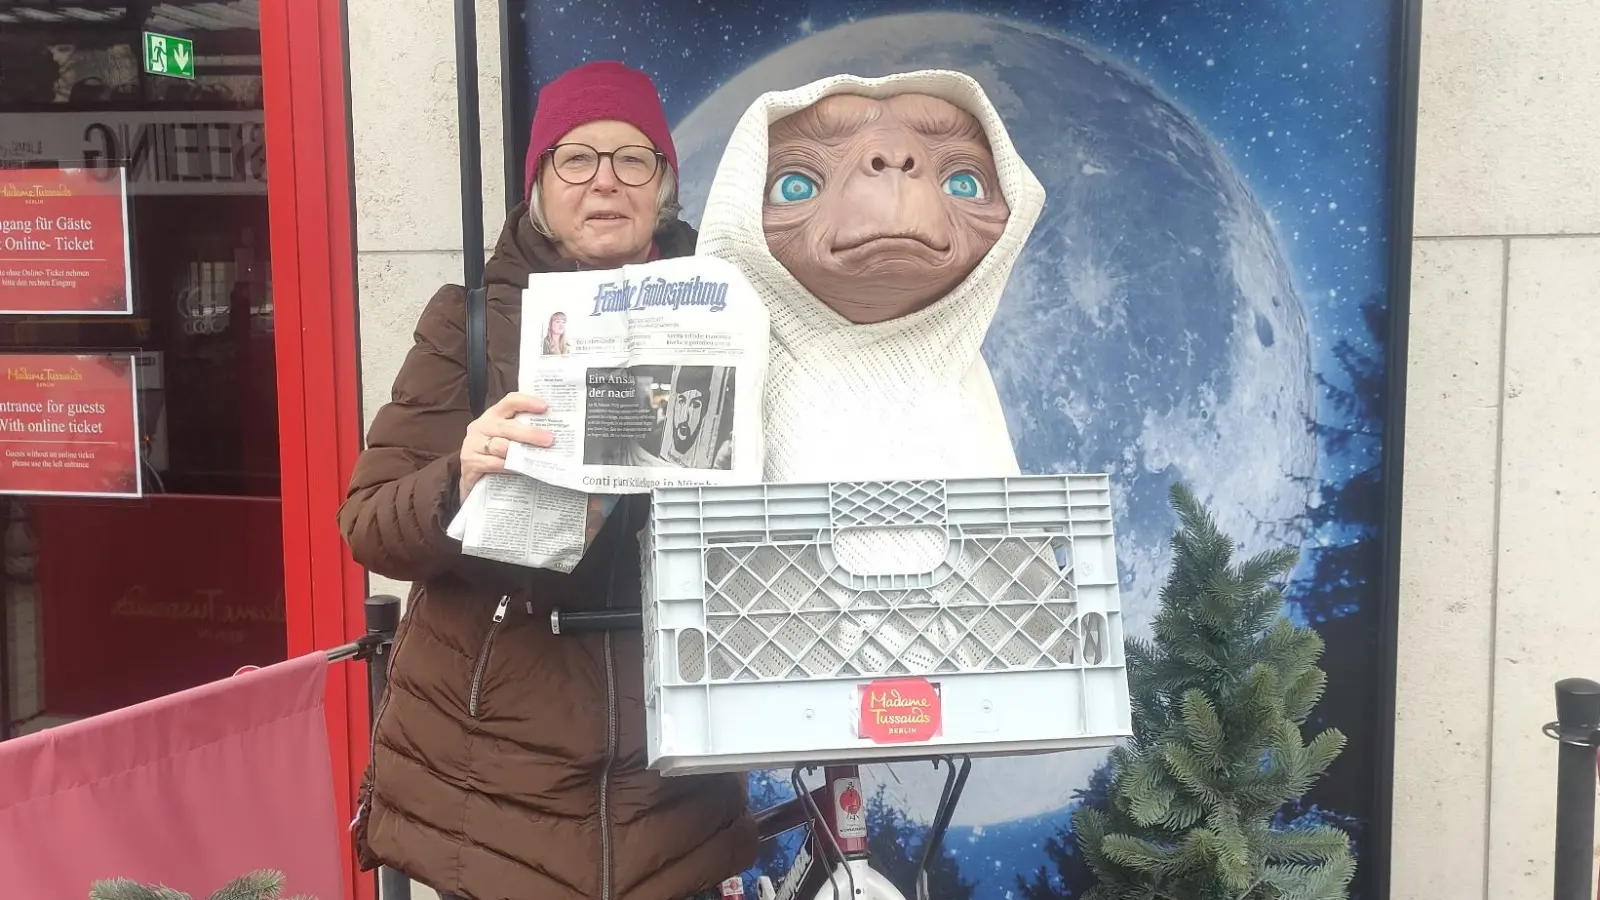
653 376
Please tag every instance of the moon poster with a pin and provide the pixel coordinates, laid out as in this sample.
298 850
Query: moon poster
1205 298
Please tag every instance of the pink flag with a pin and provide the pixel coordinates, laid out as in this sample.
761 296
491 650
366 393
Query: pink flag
190 790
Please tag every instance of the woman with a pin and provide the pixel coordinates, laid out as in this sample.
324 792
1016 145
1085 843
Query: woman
508 762
555 335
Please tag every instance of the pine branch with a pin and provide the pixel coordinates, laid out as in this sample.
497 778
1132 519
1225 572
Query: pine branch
1203 728
1323 750
1259 794
1089 826
259 885
264 884
127 889
1330 881
1191 772
1138 855
1317 844
1257 574
1184 814
1303 694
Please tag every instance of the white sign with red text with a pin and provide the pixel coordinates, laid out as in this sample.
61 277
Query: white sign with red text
850 808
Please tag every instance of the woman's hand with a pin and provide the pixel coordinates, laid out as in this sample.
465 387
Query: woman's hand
489 438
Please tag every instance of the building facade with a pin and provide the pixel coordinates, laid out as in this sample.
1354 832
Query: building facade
1502 403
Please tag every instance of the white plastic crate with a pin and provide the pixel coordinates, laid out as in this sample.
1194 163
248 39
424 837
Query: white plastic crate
801 623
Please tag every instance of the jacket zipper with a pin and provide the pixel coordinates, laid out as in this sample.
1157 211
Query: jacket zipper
482 663
605 772
611 727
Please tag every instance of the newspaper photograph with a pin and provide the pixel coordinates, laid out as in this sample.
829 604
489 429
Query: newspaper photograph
652 376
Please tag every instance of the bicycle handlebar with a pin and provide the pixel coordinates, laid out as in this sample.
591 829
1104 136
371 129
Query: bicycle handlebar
596 620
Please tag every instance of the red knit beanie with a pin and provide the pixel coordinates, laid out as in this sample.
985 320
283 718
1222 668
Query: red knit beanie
590 93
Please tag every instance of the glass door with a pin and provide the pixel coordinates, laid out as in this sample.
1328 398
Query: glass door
139 472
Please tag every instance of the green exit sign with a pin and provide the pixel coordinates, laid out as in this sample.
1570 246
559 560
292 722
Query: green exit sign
168 55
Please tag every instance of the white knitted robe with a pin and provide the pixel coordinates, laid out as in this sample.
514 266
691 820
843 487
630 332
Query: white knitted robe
907 398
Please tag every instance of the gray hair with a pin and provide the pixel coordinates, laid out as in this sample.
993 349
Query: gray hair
667 207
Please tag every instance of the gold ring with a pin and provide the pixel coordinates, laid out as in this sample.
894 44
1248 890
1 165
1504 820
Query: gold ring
488 446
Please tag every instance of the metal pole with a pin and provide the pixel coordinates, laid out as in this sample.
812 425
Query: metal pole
1577 728
471 142
383 618
510 105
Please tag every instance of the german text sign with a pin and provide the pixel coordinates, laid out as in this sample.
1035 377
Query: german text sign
64 242
69 425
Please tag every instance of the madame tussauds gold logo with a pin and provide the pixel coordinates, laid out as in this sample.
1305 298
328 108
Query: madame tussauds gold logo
34 191
901 710
890 708
23 373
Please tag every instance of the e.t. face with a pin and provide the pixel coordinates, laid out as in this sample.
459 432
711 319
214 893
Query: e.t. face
881 207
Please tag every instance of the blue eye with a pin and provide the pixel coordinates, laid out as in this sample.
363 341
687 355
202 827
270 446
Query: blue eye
792 187
964 185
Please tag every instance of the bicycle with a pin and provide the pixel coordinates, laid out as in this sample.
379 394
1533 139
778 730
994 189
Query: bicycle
832 860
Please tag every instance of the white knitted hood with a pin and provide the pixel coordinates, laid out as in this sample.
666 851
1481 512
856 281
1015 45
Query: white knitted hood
907 398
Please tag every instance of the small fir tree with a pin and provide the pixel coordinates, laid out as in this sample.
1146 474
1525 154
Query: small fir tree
1218 699
262 885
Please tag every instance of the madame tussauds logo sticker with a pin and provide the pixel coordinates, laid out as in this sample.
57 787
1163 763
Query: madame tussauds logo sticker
900 710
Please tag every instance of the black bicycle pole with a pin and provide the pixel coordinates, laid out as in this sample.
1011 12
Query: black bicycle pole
471 143
383 618
1577 728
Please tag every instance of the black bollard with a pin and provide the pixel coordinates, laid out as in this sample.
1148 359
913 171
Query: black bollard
383 618
1577 728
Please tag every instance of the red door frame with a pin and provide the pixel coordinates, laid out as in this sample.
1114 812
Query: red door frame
319 414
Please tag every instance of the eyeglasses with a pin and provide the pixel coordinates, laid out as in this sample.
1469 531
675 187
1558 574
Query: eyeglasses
579 163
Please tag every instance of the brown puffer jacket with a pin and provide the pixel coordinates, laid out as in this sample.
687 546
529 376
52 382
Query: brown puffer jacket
509 764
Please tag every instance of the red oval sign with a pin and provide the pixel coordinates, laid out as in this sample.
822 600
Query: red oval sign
850 801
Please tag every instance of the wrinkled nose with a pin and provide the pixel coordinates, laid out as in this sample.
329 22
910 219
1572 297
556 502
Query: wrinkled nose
891 155
888 195
890 183
902 160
